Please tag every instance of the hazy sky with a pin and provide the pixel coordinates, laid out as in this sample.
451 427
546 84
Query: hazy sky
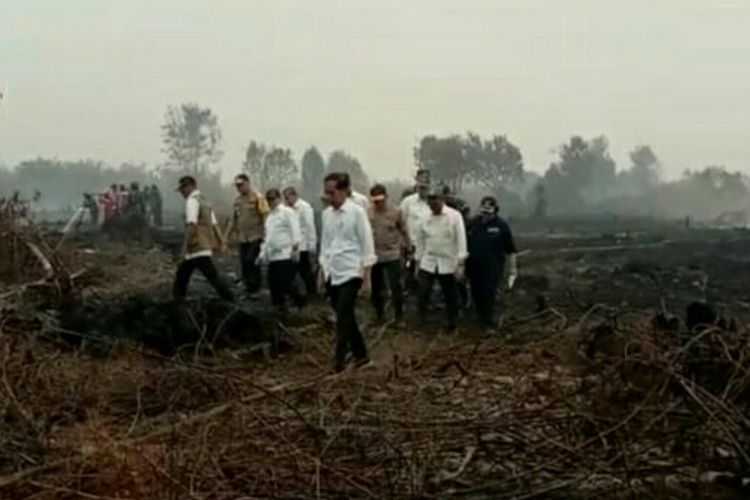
92 78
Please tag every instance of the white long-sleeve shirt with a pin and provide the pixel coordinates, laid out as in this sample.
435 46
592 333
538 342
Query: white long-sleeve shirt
306 218
441 242
361 200
346 243
414 210
282 234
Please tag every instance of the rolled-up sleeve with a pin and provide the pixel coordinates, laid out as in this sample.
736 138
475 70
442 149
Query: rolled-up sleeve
463 251
312 234
325 240
364 231
419 242
192 209
295 227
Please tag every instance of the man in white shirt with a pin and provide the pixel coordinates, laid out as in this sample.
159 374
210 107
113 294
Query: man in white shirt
280 250
308 249
440 253
414 209
361 200
347 252
202 238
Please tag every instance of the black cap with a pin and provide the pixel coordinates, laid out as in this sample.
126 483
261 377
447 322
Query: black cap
186 180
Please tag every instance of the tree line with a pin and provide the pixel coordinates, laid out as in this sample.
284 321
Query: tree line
584 178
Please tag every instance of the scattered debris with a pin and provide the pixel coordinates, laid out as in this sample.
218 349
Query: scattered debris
584 395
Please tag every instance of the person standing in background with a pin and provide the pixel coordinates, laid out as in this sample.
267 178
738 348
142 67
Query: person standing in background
360 199
123 198
414 210
136 207
355 196
107 202
247 223
389 233
440 253
490 243
307 257
347 253
90 205
202 238
157 206
281 251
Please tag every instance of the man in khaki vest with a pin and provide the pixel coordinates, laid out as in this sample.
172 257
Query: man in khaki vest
202 238
248 221
389 233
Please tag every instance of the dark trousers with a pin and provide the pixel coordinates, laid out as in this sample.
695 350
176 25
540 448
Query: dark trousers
348 335
206 266
387 276
306 266
484 283
251 272
411 283
450 295
281 274
462 292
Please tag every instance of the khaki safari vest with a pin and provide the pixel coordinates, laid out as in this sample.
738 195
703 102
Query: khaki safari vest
207 238
249 213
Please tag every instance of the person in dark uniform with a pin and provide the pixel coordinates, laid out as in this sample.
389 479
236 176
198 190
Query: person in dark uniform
490 242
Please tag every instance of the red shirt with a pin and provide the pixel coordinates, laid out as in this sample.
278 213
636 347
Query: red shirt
107 204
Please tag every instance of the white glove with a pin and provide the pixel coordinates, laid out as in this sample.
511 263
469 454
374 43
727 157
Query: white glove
513 271
512 280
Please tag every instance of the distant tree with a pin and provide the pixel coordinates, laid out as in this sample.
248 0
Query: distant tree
540 201
64 182
584 173
269 167
492 163
341 161
313 172
7 180
704 194
718 181
192 137
279 168
645 171
255 155
444 157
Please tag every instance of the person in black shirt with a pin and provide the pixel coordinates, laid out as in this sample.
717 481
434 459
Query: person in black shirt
490 241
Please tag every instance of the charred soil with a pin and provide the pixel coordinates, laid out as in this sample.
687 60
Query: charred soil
621 370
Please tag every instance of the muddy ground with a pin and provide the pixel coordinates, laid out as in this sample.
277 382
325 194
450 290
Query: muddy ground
594 387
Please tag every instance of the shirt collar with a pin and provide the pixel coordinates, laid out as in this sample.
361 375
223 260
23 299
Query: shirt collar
348 203
195 194
443 211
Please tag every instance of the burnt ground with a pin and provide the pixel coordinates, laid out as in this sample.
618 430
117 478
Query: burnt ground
594 386
641 270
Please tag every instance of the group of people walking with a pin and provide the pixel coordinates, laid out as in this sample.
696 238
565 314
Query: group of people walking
121 201
367 244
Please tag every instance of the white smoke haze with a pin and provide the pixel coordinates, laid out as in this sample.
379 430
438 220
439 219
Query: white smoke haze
93 80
